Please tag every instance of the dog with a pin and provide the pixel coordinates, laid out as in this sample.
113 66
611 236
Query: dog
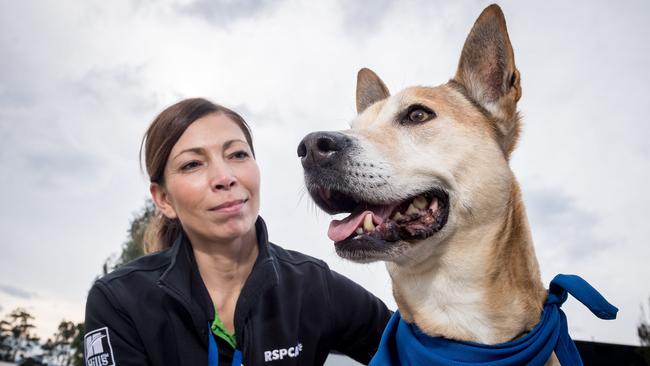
425 178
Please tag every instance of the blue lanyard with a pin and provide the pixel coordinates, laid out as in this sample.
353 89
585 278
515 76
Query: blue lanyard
213 352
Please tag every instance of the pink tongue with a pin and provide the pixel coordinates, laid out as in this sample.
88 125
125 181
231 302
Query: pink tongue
342 229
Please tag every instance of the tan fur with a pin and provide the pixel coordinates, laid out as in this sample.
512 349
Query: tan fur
478 278
370 89
482 54
514 270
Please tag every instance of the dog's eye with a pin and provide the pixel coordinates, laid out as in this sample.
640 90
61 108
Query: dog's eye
418 114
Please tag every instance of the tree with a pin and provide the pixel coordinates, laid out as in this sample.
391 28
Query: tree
18 340
5 335
78 346
133 247
643 330
64 346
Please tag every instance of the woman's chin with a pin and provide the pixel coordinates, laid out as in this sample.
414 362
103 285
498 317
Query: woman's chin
222 229
234 229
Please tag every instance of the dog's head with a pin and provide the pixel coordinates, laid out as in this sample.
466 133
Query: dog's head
417 167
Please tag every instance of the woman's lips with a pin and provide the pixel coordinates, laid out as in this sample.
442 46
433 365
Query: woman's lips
230 206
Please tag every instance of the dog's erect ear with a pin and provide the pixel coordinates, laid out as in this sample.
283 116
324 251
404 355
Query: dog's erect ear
487 71
370 89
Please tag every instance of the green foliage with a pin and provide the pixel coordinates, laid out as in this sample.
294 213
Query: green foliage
134 246
66 347
5 334
17 342
17 335
78 346
643 330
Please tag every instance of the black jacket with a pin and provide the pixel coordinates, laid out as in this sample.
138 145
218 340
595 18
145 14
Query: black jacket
292 310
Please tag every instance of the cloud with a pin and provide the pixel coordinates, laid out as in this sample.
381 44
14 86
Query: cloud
364 16
120 83
17 292
80 83
558 223
221 13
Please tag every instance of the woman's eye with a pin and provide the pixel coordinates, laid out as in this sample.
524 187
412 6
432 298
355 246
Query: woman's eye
240 155
190 165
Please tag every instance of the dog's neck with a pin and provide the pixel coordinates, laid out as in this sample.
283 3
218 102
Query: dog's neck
483 283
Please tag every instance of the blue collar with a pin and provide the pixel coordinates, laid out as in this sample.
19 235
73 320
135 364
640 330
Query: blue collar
405 344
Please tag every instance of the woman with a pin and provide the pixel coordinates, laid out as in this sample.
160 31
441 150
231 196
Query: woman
217 289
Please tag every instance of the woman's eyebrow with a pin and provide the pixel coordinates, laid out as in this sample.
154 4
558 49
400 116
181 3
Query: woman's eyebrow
201 150
228 143
196 150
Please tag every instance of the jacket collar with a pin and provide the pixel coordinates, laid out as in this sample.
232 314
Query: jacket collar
263 277
177 279
177 282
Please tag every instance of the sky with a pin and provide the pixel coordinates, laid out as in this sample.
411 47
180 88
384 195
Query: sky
81 80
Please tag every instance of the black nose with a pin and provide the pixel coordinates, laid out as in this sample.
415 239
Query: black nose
319 148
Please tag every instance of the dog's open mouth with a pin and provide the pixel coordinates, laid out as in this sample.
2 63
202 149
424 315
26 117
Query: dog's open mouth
413 219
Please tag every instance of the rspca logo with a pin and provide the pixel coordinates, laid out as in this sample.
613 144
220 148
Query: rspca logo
281 353
97 348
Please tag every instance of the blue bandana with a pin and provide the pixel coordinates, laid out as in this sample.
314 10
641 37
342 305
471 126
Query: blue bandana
405 344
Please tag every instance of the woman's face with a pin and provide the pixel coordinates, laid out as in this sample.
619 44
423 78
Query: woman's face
212 181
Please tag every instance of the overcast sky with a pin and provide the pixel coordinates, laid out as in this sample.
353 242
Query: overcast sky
81 80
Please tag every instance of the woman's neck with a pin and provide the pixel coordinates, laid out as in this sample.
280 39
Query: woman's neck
224 266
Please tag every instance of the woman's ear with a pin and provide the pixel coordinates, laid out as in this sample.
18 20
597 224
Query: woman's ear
161 199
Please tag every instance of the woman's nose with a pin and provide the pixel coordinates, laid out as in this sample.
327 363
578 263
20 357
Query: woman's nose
222 178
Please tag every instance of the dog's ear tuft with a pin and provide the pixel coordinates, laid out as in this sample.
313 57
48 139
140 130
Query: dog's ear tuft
487 71
370 89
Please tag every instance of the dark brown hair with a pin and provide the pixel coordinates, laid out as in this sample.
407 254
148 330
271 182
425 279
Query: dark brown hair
158 141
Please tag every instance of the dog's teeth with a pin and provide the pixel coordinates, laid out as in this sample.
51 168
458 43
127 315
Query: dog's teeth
359 231
398 216
367 223
411 210
434 205
420 202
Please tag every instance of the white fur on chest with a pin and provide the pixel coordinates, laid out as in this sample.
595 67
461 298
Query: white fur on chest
446 303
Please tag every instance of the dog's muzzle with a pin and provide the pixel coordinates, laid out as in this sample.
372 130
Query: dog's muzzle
376 227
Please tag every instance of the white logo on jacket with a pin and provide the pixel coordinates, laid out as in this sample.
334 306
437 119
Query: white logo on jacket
281 353
97 348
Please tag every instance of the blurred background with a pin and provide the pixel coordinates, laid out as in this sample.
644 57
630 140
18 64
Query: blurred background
81 80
